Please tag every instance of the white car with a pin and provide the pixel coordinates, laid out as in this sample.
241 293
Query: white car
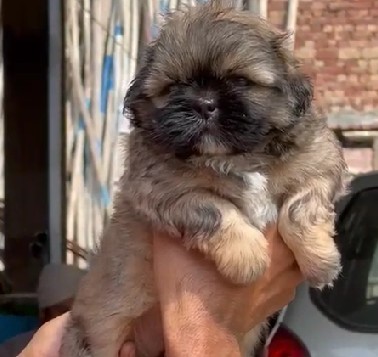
343 321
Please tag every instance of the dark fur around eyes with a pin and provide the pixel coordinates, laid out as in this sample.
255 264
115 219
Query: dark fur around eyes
242 125
251 114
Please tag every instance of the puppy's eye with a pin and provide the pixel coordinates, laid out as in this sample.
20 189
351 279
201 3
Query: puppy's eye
164 92
241 81
160 100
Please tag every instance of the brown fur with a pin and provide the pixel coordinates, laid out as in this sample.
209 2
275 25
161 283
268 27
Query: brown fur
206 199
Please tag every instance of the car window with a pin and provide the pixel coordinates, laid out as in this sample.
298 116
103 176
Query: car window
353 301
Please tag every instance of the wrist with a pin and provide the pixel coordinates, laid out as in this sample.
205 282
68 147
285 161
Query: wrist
190 330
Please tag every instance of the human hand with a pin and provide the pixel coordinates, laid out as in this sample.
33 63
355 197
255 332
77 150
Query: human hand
46 341
197 302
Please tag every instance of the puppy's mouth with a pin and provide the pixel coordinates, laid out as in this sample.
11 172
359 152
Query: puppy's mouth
211 145
209 138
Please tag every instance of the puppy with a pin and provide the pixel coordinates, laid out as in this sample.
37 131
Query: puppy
225 140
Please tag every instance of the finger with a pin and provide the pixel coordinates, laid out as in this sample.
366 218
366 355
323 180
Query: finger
277 243
271 232
287 297
53 334
286 288
274 285
289 278
55 326
284 292
148 332
128 350
47 340
280 253
147 338
297 277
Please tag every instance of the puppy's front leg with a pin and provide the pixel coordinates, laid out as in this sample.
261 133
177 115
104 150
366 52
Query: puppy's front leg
306 223
215 227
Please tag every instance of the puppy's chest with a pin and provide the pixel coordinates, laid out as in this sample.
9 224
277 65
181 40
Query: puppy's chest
259 204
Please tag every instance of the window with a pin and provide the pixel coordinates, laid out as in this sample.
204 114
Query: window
353 302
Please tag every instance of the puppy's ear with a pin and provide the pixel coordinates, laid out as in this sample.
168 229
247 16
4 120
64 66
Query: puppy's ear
300 92
296 85
135 99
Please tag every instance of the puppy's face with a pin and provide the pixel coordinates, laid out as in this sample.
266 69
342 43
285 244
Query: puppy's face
217 82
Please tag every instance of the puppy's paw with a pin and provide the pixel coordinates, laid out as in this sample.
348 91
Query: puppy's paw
311 239
320 265
241 253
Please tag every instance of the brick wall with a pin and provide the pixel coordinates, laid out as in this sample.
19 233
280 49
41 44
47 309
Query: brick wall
337 40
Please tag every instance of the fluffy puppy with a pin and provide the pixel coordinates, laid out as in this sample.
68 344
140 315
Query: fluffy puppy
225 140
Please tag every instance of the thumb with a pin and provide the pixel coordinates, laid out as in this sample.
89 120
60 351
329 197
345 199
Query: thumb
46 341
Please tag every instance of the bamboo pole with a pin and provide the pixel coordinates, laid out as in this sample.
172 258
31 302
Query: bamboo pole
292 13
263 8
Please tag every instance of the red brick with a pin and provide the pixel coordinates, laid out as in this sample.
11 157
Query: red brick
374 11
328 28
361 14
359 35
341 13
277 5
360 43
327 53
370 52
349 52
336 6
348 27
318 5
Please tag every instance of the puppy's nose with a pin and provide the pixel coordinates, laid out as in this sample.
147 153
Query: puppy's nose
207 107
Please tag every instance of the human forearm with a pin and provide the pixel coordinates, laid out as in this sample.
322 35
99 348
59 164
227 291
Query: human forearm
191 331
